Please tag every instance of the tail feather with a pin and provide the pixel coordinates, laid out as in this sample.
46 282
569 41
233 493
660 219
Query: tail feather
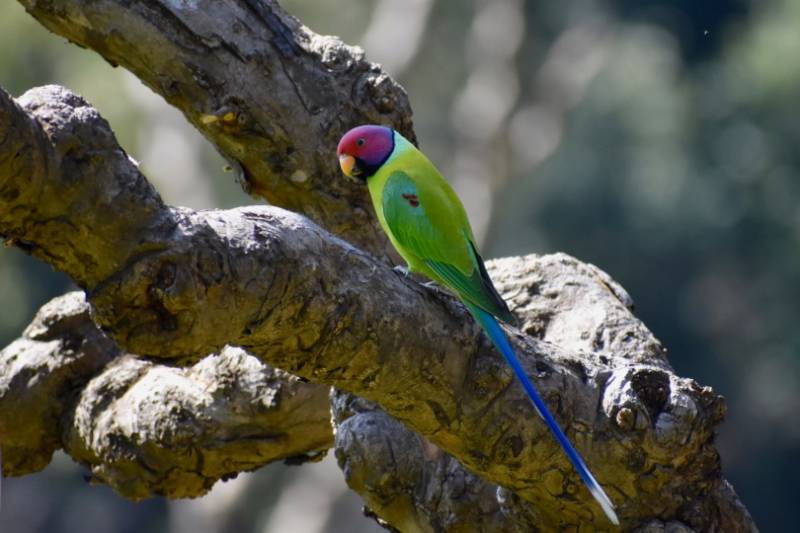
498 337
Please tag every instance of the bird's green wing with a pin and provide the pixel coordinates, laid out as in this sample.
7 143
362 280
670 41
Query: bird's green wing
429 226
476 289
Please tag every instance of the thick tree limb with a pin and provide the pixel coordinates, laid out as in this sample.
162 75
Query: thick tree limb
270 94
212 83
151 429
146 428
40 374
168 289
559 299
408 481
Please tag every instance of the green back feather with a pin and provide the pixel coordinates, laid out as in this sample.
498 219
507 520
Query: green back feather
428 225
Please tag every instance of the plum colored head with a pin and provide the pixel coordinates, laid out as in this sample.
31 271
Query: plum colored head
364 149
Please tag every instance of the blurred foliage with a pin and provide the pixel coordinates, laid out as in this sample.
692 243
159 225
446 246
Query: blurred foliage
656 139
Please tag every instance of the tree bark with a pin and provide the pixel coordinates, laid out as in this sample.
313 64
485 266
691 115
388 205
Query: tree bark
146 428
269 93
162 282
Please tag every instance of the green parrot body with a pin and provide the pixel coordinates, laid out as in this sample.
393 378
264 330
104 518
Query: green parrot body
428 226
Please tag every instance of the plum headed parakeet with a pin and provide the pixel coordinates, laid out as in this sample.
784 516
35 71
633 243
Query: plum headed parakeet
428 226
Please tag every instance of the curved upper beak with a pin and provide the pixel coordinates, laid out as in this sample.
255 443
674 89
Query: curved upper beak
347 162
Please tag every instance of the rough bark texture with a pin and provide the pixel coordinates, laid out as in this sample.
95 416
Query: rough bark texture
162 281
344 322
259 85
142 427
573 305
40 375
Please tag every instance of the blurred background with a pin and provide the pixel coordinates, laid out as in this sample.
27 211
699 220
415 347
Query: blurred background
657 139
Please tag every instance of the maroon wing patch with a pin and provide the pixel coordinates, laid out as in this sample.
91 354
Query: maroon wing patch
412 199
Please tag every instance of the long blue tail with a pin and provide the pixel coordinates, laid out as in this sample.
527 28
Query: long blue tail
495 333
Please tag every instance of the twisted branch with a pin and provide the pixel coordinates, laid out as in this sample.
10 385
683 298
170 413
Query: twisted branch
269 93
145 428
274 97
162 282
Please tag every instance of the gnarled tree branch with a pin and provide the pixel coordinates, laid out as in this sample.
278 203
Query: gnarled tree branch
269 93
274 97
142 427
169 289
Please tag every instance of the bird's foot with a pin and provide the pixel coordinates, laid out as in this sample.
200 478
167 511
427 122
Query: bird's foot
402 269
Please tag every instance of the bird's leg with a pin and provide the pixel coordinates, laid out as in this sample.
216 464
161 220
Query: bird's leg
402 269
406 272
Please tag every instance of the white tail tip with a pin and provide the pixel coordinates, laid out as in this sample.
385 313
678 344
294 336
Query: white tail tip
608 507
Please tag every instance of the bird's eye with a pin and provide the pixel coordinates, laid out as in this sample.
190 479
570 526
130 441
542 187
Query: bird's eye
360 142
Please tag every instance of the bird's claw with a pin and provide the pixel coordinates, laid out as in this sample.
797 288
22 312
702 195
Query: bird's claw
402 269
